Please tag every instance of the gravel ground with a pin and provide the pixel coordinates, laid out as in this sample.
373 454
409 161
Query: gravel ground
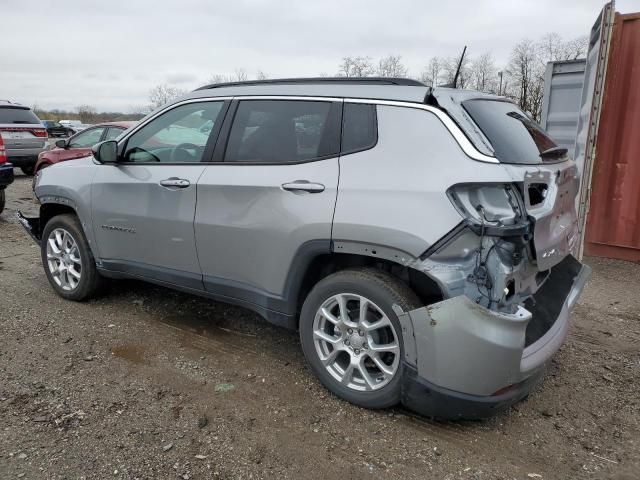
144 382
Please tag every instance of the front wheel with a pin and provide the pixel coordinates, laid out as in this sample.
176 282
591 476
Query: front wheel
28 170
67 259
352 338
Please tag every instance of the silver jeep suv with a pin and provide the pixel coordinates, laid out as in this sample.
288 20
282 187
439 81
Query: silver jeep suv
420 239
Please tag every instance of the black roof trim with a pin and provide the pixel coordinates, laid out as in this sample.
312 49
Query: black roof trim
320 80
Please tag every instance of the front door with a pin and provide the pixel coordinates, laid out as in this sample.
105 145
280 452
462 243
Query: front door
143 206
271 198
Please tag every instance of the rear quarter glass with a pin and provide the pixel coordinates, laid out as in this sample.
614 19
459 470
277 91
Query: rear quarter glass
515 137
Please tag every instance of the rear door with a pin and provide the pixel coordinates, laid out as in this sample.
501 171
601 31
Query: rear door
269 198
143 207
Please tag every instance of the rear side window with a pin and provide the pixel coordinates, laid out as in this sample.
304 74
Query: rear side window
18 115
359 127
283 131
514 136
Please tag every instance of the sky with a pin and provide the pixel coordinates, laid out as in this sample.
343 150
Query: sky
65 53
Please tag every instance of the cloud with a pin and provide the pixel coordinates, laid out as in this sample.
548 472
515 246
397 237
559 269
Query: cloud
116 52
181 78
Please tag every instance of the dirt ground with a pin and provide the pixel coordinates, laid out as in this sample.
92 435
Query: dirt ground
145 382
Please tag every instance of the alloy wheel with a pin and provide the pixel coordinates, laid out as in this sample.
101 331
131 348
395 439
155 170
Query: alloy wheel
63 259
356 342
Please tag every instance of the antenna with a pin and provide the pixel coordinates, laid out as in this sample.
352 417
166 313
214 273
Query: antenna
455 79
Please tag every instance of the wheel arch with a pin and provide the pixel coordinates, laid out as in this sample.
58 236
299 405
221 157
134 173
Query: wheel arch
50 210
314 267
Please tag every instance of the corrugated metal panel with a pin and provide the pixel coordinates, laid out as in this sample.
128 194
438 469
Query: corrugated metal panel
561 101
613 226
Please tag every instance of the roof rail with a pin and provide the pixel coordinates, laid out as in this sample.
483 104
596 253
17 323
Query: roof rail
319 80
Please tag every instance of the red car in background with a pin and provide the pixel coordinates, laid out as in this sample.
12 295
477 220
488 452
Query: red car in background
79 145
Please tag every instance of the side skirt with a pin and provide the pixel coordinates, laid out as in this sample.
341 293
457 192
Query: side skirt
272 316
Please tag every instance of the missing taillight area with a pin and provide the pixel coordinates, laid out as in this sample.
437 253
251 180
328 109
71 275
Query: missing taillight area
537 193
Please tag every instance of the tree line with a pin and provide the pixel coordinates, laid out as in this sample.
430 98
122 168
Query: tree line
521 78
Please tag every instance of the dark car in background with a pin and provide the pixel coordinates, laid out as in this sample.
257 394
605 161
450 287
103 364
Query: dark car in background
56 129
79 145
23 135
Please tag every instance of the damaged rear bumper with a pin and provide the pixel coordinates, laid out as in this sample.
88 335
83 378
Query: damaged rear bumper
463 360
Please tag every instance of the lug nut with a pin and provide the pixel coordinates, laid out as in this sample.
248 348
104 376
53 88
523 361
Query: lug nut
361 333
350 331
356 351
346 342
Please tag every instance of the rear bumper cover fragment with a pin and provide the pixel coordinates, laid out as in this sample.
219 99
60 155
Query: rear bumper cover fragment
464 352
31 225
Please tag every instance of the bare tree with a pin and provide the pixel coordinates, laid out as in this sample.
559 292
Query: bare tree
449 68
163 94
219 78
240 75
356 67
260 75
483 73
431 72
87 113
525 71
554 48
391 66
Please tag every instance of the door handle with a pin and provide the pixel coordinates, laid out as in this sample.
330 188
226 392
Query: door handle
303 186
175 182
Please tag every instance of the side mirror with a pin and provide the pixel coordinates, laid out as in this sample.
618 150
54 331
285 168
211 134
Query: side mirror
61 144
106 152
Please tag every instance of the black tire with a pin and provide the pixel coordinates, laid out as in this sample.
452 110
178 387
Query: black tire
384 290
2 200
90 280
27 170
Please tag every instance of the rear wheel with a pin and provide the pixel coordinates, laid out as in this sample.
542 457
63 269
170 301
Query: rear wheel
27 170
2 200
352 338
67 259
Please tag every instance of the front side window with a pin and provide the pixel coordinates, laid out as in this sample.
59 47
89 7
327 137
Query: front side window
86 139
177 136
283 131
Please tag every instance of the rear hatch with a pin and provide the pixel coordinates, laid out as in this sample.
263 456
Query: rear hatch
545 174
21 129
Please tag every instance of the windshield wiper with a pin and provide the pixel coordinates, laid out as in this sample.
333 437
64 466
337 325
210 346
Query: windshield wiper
554 152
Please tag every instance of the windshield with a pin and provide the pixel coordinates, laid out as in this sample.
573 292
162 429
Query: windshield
514 136
18 115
